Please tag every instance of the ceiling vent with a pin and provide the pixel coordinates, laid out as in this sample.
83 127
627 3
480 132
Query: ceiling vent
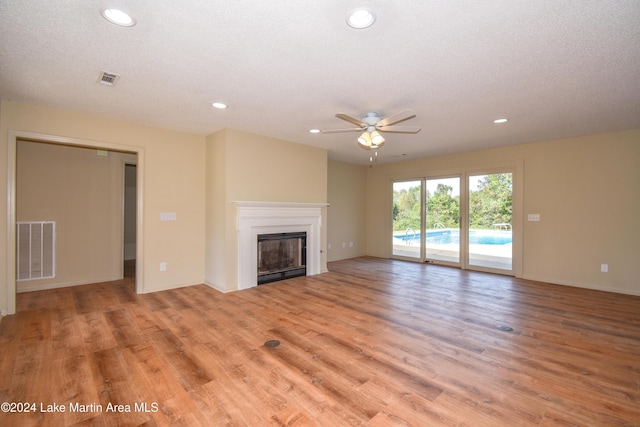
107 78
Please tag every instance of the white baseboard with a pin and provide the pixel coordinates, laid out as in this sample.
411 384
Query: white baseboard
584 286
43 287
219 289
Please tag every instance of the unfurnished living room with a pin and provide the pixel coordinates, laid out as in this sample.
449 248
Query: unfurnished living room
410 213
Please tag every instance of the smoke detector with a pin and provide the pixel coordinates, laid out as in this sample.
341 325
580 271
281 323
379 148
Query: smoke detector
107 78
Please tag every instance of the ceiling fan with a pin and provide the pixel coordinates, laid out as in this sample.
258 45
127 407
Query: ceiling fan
372 125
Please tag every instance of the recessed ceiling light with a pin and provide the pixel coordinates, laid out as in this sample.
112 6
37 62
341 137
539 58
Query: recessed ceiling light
314 130
361 18
498 121
118 17
219 105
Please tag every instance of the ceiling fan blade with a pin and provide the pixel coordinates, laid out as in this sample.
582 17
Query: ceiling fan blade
351 120
341 130
397 118
400 129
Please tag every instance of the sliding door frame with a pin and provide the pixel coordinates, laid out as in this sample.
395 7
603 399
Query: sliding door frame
516 168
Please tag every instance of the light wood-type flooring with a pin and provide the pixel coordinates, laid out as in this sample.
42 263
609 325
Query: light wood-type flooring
373 342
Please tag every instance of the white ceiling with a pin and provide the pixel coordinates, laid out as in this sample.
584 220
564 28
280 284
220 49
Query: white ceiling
555 68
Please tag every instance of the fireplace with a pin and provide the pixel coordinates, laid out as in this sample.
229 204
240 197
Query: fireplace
281 256
258 218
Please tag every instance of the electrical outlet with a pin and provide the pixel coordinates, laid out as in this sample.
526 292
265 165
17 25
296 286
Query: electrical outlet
533 217
163 266
344 244
328 246
350 244
604 268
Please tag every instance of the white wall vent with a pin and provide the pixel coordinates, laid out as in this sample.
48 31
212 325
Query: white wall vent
107 78
36 250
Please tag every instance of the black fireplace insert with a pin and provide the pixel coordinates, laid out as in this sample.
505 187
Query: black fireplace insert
281 256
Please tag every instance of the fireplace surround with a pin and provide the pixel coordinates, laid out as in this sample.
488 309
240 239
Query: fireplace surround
256 218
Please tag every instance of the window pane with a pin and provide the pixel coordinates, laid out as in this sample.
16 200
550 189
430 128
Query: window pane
406 218
490 219
442 241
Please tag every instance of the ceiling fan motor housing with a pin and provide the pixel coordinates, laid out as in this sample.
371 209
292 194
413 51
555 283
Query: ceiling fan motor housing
371 119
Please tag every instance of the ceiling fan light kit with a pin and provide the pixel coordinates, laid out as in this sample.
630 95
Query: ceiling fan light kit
376 138
370 138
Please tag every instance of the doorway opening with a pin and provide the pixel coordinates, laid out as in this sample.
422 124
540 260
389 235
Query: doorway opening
78 239
129 220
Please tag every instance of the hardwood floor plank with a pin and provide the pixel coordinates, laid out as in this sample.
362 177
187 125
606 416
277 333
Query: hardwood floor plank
148 363
372 342
356 407
123 330
96 332
404 405
31 376
72 380
187 368
291 417
112 377
299 393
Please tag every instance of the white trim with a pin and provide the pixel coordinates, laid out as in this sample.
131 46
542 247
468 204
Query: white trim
11 224
515 166
12 139
593 287
254 218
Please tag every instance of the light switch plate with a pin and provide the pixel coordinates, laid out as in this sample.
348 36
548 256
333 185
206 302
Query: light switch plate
168 216
533 217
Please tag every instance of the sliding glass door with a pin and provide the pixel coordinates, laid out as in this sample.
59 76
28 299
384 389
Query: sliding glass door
464 220
407 219
490 226
442 220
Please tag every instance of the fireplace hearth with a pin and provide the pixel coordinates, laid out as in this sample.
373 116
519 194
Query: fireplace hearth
281 256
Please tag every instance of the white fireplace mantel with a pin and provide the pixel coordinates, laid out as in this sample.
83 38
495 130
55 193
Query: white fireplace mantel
254 218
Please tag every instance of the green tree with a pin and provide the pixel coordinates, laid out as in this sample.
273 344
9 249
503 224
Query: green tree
406 209
442 208
491 203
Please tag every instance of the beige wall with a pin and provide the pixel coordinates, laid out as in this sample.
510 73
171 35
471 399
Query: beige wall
83 193
586 190
219 246
250 167
346 214
172 168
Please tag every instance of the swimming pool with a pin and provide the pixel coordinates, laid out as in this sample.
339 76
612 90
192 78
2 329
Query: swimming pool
443 237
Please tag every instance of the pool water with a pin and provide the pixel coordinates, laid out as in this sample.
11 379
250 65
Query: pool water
443 237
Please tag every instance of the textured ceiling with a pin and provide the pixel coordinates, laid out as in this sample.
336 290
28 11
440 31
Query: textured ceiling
555 68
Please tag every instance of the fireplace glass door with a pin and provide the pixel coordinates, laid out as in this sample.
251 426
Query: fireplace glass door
281 256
